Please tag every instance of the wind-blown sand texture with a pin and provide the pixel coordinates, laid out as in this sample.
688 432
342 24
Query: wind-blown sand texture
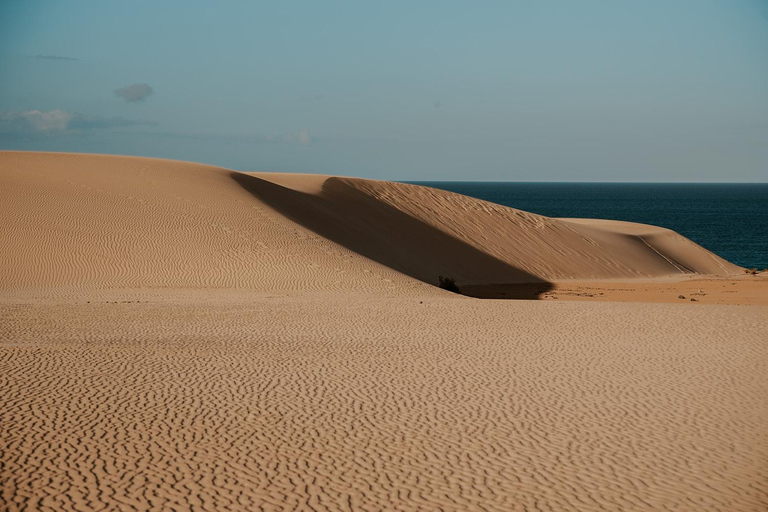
183 337
78 222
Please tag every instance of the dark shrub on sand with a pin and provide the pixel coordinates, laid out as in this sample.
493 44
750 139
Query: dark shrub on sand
448 283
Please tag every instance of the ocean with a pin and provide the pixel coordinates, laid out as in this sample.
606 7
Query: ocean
730 220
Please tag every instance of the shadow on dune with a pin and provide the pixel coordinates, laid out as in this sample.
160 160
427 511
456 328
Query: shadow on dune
382 233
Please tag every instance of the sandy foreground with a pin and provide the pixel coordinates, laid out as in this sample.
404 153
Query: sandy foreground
183 337
734 289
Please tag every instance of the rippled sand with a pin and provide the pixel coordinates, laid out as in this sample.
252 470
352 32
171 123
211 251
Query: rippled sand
421 402
214 346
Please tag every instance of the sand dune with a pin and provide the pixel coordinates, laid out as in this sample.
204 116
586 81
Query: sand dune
75 221
176 336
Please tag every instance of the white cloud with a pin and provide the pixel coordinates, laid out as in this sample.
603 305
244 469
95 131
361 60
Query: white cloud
38 121
58 122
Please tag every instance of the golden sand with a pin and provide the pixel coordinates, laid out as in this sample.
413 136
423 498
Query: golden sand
184 337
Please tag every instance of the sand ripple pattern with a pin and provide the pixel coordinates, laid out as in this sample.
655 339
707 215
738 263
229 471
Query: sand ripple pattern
416 403
73 222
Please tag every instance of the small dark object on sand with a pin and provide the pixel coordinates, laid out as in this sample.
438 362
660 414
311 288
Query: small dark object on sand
448 283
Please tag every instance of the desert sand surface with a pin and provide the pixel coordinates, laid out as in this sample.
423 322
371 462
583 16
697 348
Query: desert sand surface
747 289
175 336
88 222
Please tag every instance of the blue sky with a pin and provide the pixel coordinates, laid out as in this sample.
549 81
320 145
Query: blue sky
519 91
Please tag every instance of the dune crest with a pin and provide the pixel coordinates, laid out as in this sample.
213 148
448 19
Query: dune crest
525 247
94 221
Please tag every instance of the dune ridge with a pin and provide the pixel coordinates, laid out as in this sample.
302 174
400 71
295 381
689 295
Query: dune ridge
93 221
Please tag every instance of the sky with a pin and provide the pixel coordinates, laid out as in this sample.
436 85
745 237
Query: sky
658 90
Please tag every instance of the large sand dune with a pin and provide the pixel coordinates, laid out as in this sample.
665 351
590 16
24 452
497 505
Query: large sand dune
105 222
183 337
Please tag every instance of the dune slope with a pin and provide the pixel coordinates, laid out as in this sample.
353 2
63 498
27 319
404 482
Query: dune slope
102 222
90 221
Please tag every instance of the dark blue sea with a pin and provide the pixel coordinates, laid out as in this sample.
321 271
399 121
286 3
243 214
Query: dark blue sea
730 220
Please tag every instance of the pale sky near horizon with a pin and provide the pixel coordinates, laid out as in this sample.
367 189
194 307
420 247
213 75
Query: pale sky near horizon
658 90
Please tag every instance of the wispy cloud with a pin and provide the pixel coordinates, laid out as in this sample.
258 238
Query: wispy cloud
41 125
37 123
134 92
53 57
301 137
